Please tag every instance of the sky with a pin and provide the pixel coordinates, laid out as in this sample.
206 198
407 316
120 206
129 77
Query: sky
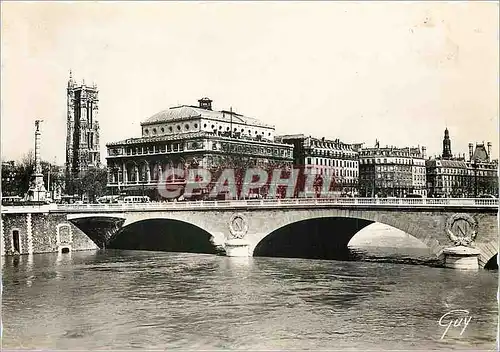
396 72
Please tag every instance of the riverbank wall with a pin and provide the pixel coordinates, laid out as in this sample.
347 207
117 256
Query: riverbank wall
41 232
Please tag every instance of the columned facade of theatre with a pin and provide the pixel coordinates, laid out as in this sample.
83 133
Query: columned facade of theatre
141 176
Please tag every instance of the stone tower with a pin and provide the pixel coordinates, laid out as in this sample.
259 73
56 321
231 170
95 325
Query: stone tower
82 139
447 145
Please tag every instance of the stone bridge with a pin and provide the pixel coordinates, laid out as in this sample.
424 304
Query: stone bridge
250 224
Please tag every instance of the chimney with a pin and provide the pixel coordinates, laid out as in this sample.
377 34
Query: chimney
424 149
205 103
471 151
489 151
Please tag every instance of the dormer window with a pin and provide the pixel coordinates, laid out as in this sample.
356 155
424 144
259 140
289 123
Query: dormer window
154 130
146 131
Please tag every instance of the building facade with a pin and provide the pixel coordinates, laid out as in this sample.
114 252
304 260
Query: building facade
458 176
333 158
82 139
192 137
392 172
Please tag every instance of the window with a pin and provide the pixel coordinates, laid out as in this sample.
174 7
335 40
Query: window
195 125
162 130
178 127
154 130
170 128
186 126
205 126
146 131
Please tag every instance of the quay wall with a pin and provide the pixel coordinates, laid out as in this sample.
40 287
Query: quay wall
41 233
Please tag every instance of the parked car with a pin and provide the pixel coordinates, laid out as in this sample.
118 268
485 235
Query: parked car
413 195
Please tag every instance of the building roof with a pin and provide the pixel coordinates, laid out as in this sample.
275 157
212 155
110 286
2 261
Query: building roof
186 112
446 163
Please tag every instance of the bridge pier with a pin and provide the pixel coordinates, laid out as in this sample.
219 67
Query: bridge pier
237 247
461 257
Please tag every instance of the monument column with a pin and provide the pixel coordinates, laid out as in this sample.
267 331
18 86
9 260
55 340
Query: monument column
37 190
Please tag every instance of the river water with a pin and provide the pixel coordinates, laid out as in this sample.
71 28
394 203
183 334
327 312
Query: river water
158 300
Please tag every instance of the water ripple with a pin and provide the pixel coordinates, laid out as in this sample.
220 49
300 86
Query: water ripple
146 300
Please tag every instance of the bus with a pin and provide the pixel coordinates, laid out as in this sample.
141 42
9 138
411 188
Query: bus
12 200
70 199
108 199
136 199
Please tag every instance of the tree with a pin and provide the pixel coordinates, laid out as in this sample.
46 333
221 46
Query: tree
93 183
20 175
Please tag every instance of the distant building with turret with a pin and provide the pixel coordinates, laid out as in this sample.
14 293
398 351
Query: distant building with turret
461 176
82 139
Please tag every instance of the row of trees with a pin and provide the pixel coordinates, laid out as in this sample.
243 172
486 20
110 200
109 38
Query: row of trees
16 179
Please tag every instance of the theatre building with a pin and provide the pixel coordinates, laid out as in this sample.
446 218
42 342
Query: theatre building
192 137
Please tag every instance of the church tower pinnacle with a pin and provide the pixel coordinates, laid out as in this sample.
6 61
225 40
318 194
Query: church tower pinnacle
82 138
446 145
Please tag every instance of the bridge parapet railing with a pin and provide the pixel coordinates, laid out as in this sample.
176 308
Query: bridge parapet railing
486 201
457 202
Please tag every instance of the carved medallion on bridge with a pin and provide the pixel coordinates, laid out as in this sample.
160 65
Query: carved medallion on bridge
462 229
238 226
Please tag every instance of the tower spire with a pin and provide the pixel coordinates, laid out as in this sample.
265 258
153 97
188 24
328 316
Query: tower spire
447 145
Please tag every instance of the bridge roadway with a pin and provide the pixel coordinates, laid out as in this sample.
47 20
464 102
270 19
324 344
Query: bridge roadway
438 222
375 203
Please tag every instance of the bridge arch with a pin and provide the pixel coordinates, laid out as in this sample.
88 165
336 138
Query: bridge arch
364 218
164 234
488 254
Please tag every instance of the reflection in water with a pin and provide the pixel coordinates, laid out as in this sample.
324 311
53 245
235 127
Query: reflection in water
154 300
